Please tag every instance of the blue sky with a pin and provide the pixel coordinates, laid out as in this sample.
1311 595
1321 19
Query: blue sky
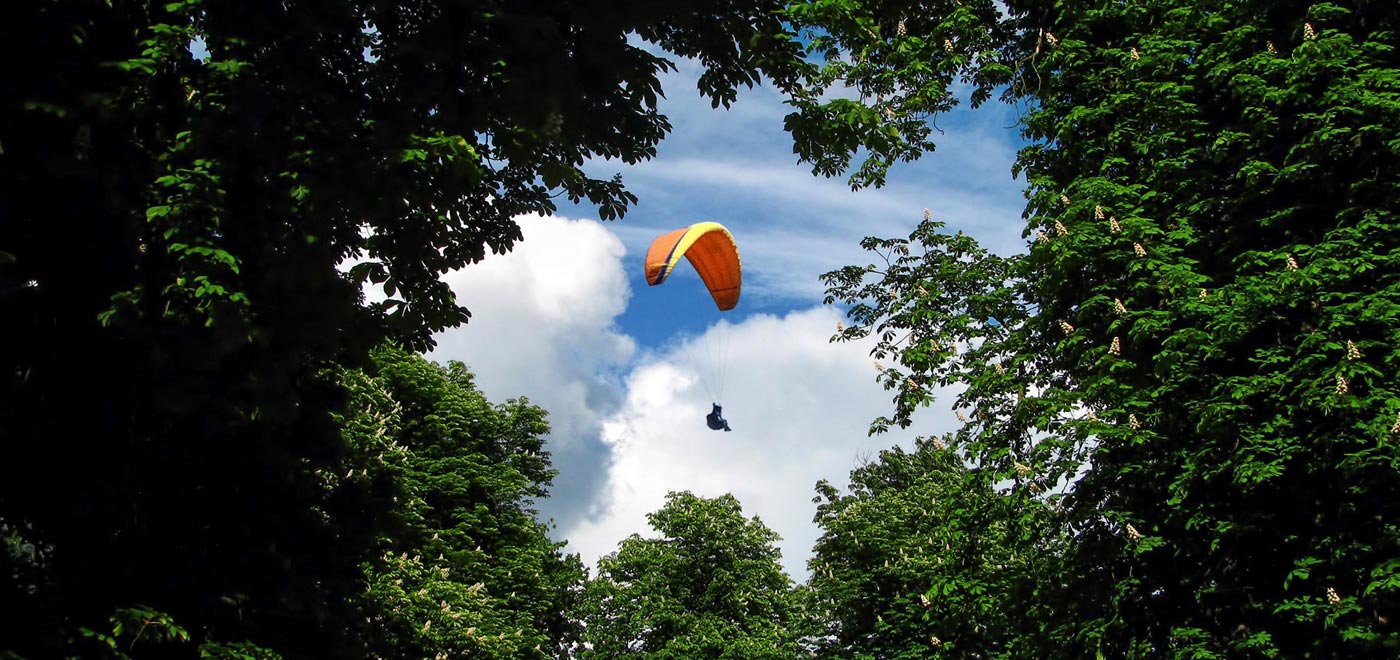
568 320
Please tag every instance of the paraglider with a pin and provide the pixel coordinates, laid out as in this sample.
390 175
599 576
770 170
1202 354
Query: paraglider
712 251
715 420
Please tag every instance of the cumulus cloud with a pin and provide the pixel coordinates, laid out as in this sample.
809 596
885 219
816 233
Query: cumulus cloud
543 327
800 408
628 424
628 420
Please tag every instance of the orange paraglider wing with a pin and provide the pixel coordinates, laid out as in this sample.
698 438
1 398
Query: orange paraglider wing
710 249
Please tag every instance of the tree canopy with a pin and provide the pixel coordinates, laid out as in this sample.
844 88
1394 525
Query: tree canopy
921 558
192 196
1200 335
466 569
709 587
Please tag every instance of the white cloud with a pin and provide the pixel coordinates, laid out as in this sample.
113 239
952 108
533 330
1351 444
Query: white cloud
627 430
543 327
800 408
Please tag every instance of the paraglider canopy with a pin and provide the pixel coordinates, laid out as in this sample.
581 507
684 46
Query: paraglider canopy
710 249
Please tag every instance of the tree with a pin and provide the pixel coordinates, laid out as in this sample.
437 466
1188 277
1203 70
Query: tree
1202 324
709 587
466 569
922 558
181 184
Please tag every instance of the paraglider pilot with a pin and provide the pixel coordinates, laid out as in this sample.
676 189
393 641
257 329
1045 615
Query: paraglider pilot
715 420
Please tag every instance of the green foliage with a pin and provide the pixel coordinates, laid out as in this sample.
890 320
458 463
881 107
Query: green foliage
709 587
923 559
130 625
467 570
192 194
902 61
1203 325
133 627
